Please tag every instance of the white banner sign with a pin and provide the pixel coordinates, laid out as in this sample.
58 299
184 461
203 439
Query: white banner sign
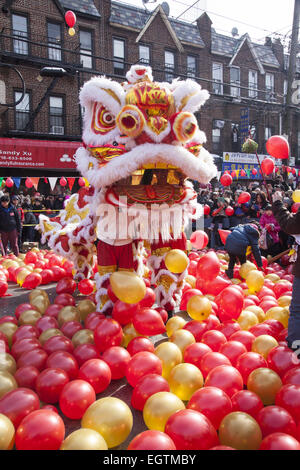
229 157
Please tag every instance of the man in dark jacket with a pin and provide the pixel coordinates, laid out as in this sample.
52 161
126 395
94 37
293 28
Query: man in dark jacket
290 223
10 225
237 244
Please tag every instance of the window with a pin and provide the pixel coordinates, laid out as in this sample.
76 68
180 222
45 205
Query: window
235 136
144 54
285 90
56 115
54 41
235 81
268 132
20 29
22 111
191 66
298 149
270 87
216 139
119 56
252 84
169 65
86 48
217 76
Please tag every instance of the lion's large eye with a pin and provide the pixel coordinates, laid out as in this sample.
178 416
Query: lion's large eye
103 120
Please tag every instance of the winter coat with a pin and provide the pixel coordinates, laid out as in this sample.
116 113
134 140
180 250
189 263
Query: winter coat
240 238
9 219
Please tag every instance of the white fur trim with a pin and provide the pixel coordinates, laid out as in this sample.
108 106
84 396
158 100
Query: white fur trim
192 92
95 90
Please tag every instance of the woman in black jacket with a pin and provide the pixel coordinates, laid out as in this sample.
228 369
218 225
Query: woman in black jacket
10 225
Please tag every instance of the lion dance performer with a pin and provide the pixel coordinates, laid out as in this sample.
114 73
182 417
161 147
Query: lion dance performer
141 143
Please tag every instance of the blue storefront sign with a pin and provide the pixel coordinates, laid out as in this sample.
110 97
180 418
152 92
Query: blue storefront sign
237 167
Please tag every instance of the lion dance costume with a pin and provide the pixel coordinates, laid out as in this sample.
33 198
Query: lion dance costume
141 142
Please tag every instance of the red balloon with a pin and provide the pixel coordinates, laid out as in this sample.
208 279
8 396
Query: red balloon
191 430
93 319
65 361
86 286
163 313
117 359
295 207
278 147
260 329
65 299
282 287
199 239
147 386
142 363
50 383
35 357
214 339
24 345
279 441
50 407
194 353
85 352
97 373
233 350
26 377
41 430
244 337
292 376
230 302
58 343
70 328
228 328
276 419
197 329
281 359
227 378
267 166
58 273
63 181
208 266
206 209
9 183
28 183
212 322
19 403
148 300
8 319
66 286
148 321
75 398
53 310
151 440
211 360
229 211
248 362
22 308
212 287
123 312
45 323
247 402
288 398
226 180
140 344
108 333
81 182
70 19
186 297
213 403
32 281
110 294
244 197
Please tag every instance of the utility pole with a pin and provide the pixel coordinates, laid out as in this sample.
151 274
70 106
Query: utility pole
287 121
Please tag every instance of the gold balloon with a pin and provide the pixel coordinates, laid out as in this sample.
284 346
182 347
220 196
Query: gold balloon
41 303
255 280
48 334
10 263
7 433
199 307
68 313
184 380
265 383
284 301
37 270
21 276
182 339
246 268
7 383
71 31
296 195
191 280
21 256
159 407
83 337
280 314
127 286
263 345
84 439
111 418
240 431
29 317
8 328
176 261
37 293
258 312
7 363
273 277
174 324
247 319
85 307
170 355
129 333
236 281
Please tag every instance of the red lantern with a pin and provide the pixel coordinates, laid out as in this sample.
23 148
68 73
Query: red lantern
63 181
278 147
9 183
226 180
28 183
267 166
70 18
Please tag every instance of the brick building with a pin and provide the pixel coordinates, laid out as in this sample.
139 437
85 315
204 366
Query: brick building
110 36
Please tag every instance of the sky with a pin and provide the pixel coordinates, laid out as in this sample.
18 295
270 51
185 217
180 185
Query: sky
261 17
